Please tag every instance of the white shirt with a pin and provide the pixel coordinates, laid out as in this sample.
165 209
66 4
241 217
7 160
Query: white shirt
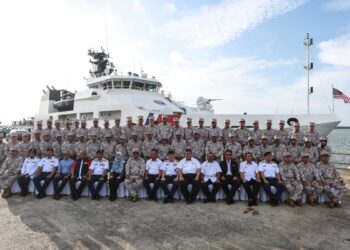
30 165
249 170
170 167
98 166
270 169
153 167
209 170
189 166
228 168
48 164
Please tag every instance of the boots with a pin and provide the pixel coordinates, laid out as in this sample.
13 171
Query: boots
7 193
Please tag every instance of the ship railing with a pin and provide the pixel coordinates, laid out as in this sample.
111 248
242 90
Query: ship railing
341 159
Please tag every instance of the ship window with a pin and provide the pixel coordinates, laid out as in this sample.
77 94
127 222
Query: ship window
117 84
109 85
87 116
137 85
126 84
151 87
104 86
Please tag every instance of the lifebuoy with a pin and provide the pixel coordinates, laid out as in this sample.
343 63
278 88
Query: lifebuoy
292 120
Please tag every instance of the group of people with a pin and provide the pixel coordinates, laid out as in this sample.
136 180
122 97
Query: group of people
163 154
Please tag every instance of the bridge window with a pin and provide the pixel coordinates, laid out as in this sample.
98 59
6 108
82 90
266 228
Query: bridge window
109 85
126 84
117 84
137 85
151 87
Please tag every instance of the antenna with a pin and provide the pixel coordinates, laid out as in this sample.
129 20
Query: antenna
308 42
106 27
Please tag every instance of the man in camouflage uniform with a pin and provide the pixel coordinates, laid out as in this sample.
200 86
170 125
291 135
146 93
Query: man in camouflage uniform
179 146
242 133
189 129
278 149
256 132
148 144
331 179
105 130
299 135
226 131
75 129
215 147
134 172
203 131
177 128
12 143
35 143
294 149
140 128
282 133
310 150
92 146
39 128
264 147
312 134
2 149
253 149
291 179
69 145
68 129
57 145
80 145
164 130
153 127
323 146
234 147
135 142
117 130
95 128
83 130
45 143
108 148
163 148
48 128
214 129
24 146
128 129
310 178
269 132
121 147
56 130
9 171
196 144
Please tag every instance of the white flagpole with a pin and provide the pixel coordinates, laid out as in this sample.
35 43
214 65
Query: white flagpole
333 97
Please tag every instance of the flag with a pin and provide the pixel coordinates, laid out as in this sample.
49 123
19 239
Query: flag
337 94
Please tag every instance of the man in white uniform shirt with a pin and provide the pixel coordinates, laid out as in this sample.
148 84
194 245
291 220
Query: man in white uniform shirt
210 176
270 176
97 173
46 171
169 176
28 170
249 172
152 175
189 173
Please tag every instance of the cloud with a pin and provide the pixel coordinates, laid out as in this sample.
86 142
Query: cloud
138 6
169 8
338 5
215 25
176 57
336 51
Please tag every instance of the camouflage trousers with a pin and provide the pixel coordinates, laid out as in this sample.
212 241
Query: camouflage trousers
313 189
294 188
340 190
7 180
133 185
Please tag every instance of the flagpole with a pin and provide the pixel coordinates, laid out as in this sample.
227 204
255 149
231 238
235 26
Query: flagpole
333 97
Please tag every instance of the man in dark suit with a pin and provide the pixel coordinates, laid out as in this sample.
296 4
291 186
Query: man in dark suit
229 176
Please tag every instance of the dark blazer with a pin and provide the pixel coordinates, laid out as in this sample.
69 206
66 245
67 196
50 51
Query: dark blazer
84 169
234 168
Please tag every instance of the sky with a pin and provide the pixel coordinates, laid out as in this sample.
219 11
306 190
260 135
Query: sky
249 53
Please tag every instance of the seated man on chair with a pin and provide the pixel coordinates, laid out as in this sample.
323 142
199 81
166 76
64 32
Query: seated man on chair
80 171
169 176
28 170
46 171
63 174
189 173
98 171
270 176
229 176
210 176
152 175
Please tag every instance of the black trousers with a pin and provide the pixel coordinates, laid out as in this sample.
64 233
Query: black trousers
230 193
56 187
252 195
205 188
189 179
169 179
96 178
38 179
114 184
151 179
279 186
23 182
76 192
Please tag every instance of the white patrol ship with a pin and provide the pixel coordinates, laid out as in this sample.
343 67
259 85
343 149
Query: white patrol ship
111 95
